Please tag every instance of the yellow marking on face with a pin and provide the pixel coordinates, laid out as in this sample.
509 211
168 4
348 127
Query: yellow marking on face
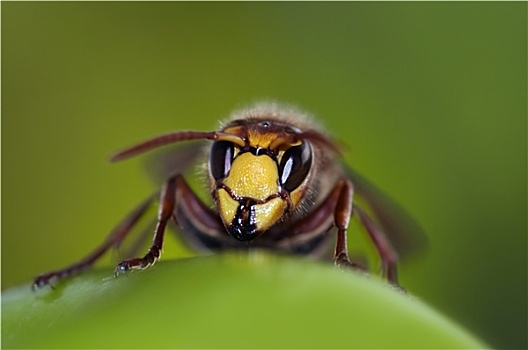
296 195
227 206
253 176
235 130
260 140
267 214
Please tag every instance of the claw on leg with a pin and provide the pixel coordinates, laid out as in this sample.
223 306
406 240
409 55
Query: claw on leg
342 261
149 259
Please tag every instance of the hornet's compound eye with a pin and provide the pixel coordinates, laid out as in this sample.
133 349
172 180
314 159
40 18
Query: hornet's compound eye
295 165
222 153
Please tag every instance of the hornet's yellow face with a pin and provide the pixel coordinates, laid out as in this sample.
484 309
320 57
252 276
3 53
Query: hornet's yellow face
257 181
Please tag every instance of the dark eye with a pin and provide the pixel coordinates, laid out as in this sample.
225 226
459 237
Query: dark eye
294 166
221 158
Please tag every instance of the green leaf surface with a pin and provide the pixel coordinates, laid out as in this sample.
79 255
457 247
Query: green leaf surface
238 300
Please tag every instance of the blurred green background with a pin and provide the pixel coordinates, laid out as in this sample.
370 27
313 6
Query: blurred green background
429 97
